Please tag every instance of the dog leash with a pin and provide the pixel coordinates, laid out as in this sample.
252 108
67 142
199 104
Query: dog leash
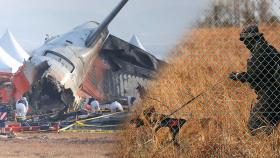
194 98
158 101
185 104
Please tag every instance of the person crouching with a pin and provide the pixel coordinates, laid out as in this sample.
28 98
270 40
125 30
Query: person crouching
93 105
116 106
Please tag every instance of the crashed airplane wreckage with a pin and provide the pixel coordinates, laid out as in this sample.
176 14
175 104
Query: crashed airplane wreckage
86 61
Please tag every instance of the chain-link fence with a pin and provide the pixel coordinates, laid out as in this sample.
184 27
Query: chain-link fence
220 94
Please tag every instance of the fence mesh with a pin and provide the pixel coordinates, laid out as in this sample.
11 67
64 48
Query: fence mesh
219 96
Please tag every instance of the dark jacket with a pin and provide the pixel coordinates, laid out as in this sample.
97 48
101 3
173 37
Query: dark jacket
261 67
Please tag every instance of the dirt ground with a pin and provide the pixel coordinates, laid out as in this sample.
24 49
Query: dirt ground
59 145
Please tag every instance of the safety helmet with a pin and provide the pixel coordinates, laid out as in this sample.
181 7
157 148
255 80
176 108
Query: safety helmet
249 31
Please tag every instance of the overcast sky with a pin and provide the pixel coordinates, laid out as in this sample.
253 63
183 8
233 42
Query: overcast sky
158 23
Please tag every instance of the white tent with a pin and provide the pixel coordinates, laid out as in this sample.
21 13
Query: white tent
8 63
12 47
5 68
136 42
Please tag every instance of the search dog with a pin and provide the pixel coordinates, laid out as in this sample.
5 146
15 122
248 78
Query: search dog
194 129
157 121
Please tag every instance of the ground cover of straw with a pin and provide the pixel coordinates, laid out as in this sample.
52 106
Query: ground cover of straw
203 58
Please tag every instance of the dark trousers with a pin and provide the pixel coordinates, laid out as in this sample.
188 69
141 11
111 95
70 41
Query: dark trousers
2 124
265 115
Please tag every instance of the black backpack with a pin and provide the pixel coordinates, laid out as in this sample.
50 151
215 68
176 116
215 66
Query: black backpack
22 101
91 100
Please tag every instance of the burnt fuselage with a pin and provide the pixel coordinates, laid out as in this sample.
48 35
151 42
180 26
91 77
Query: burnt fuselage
68 58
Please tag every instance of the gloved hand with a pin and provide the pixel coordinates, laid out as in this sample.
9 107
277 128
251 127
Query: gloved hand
233 76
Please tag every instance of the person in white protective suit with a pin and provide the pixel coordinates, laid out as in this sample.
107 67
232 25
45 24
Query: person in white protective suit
116 106
22 108
94 104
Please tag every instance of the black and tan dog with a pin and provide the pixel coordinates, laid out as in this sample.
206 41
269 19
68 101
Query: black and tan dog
157 121
193 130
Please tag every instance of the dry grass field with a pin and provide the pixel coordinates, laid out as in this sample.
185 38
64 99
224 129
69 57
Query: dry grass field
59 145
200 60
